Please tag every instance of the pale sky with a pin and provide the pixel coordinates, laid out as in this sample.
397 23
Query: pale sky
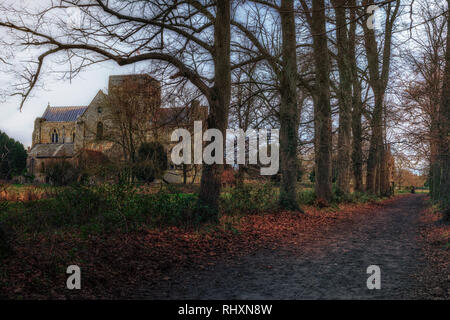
19 124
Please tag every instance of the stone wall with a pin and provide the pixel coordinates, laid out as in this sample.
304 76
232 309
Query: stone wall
43 131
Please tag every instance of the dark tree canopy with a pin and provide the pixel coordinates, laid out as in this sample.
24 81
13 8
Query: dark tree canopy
13 157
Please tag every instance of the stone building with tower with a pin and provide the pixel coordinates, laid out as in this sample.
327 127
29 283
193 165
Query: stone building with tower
65 133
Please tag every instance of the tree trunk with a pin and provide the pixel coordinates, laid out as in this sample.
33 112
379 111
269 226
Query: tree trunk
344 98
378 82
445 129
376 140
289 117
322 106
357 155
219 102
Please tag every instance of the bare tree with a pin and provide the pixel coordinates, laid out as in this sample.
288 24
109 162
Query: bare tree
378 80
444 123
322 112
192 38
284 67
344 95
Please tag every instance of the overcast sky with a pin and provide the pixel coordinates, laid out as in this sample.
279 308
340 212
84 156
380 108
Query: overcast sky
19 124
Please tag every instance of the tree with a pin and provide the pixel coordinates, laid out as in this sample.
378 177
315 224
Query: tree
190 39
357 105
378 80
13 157
131 115
322 106
344 95
444 123
152 162
60 172
287 78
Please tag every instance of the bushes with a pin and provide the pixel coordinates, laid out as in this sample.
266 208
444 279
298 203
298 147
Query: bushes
249 199
152 162
103 208
355 197
306 197
60 172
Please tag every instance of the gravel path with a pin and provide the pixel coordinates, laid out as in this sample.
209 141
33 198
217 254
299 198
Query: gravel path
386 237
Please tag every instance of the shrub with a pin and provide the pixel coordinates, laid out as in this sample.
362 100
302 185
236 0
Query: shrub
178 209
355 197
249 199
306 197
104 208
152 162
60 172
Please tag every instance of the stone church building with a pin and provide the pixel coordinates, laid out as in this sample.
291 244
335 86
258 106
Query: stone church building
67 132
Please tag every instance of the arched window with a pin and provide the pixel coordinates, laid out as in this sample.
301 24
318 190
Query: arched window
100 130
73 137
55 136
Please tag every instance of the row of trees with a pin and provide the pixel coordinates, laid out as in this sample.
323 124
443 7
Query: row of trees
423 99
304 66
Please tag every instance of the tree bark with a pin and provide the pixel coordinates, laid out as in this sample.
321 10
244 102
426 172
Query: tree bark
322 106
344 97
445 129
378 82
219 102
376 140
357 155
289 117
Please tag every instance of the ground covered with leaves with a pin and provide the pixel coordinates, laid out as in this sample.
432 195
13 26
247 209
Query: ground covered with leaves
171 262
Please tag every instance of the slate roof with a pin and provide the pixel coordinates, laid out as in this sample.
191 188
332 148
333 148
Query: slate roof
63 114
52 150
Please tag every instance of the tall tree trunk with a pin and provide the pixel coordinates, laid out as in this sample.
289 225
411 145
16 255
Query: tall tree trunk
378 82
289 117
344 97
445 130
357 155
219 102
322 106
376 140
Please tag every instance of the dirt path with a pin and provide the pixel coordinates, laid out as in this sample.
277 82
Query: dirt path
386 237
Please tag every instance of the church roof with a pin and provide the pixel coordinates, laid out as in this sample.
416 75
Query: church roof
63 114
52 151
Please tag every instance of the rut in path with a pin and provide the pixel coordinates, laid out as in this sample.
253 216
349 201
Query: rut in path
387 237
